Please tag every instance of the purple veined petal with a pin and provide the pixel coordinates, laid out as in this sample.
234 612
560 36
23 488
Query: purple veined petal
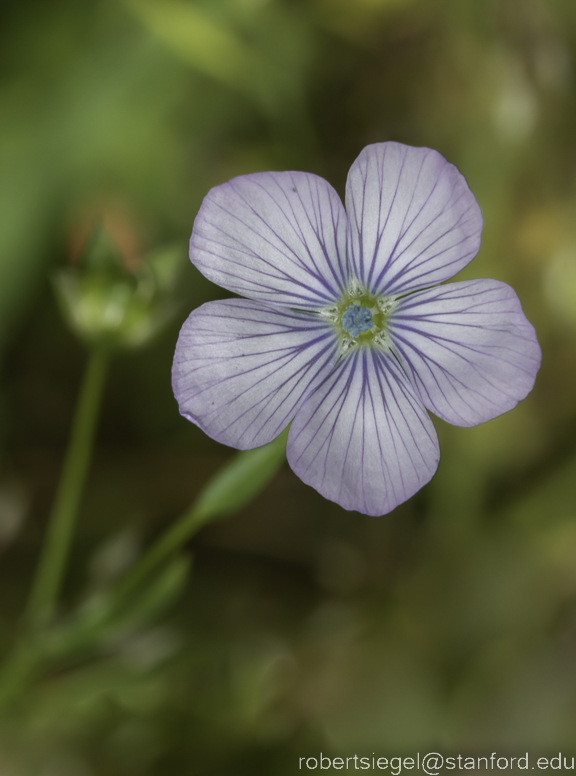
278 237
412 220
363 438
242 368
468 348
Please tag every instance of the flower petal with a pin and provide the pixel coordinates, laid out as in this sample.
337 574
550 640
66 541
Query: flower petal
413 221
468 349
278 237
241 368
363 438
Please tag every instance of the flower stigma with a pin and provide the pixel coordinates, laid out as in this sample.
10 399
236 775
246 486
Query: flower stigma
356 319
360 318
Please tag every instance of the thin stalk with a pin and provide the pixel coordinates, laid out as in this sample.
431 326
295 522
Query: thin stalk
51 568
174 538
229 490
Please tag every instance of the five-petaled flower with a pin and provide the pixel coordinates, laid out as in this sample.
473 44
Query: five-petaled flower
345 332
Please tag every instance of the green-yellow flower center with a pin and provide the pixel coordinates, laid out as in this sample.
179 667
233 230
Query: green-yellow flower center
360 318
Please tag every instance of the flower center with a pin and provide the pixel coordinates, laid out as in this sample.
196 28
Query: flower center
356 319
360 318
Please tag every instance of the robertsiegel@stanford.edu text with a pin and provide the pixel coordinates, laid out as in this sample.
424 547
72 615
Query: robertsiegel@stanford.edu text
432 763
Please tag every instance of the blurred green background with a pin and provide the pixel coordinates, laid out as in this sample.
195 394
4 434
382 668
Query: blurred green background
447 625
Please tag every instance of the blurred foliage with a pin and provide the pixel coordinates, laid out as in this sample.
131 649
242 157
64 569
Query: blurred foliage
449 624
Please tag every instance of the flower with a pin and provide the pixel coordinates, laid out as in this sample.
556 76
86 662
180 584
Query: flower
345 332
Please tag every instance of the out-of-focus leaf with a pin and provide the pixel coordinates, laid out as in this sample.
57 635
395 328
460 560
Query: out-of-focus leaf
238 62
203 43
242 479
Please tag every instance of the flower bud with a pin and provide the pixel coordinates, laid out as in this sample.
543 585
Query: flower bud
109 296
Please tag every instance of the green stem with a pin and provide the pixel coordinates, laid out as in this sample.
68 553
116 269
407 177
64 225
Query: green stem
229 490
51 567
172 540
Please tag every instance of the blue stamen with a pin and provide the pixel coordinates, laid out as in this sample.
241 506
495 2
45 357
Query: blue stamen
356 319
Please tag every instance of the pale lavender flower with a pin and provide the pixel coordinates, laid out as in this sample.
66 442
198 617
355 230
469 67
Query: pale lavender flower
345 332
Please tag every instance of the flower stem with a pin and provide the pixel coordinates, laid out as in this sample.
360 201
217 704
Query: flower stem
229 490
172 540
51 567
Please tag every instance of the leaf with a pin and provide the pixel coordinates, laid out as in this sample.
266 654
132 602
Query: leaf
201 42
242 480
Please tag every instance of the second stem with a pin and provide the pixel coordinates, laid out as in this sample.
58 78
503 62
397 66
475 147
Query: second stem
51 568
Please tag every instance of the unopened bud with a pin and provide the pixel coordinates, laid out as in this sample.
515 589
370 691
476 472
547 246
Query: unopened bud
111 299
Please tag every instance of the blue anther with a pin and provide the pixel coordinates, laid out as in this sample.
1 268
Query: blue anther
356 319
